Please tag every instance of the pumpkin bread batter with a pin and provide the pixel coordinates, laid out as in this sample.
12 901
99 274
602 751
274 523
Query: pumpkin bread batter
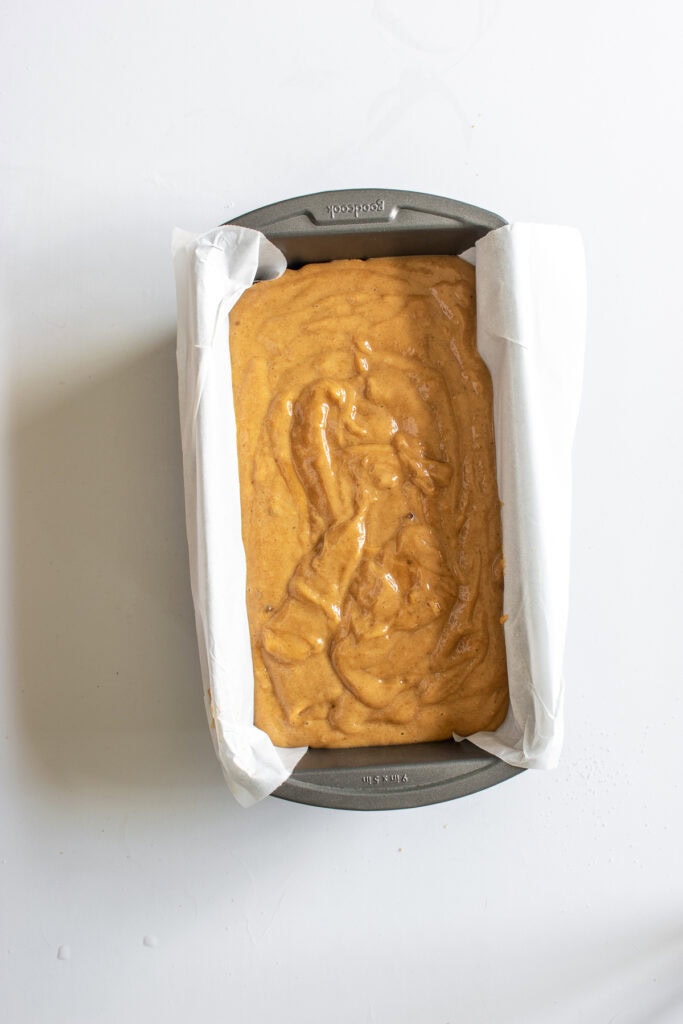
370 512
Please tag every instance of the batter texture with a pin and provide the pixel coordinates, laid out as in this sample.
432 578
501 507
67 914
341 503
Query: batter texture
370 512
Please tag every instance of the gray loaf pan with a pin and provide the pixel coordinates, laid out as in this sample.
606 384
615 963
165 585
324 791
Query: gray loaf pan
358 224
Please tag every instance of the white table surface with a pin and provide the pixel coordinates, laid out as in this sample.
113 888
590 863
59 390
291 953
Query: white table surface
133 887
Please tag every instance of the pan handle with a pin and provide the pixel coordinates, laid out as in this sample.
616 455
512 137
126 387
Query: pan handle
366 208
364 222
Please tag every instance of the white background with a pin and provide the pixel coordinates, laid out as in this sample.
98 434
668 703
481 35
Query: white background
133 887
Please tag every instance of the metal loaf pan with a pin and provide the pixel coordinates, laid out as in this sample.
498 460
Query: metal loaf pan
358 224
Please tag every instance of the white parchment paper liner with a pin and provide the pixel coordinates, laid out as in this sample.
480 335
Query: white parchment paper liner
531 326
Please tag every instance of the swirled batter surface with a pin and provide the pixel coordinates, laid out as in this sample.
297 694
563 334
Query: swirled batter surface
370 512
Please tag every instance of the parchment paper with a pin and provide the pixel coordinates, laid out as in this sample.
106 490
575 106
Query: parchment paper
530 331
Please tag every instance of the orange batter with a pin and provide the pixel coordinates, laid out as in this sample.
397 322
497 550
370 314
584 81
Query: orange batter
370 512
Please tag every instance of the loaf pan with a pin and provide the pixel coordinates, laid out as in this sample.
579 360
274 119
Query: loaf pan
359 224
